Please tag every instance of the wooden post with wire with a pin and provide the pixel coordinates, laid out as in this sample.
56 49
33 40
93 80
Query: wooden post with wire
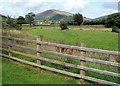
9 46
38 47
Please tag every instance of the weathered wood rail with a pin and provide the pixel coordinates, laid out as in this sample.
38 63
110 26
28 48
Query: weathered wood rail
81 58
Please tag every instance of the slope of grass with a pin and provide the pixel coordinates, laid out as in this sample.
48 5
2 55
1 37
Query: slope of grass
101 40
14 74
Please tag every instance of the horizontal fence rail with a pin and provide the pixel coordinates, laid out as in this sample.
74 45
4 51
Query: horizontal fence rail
83 59
61 71
69 56
66 46
66 64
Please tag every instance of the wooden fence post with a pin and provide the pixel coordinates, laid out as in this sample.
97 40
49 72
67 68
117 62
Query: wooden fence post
70 52
82 63
38 47
9 46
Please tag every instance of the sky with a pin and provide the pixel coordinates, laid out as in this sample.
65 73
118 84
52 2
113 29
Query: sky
88 8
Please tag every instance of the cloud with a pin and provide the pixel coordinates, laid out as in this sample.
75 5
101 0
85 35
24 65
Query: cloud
97 12
111 5
75 4
20 7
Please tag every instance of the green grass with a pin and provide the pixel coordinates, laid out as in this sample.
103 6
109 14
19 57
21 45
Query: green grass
14 74
71 27
101 40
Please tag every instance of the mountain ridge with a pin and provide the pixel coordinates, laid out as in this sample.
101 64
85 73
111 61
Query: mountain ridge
53 15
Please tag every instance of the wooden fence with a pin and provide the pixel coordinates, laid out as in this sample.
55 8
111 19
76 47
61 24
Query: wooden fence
82 58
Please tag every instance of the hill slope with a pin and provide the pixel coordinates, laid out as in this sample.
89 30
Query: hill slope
99 18
52 15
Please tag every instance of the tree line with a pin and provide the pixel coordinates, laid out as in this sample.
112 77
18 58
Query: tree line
16 23
112 21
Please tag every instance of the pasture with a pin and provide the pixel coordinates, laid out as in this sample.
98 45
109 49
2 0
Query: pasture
93 39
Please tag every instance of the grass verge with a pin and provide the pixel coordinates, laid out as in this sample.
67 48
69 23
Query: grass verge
14 74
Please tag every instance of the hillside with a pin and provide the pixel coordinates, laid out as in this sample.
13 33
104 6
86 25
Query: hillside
52 15
101 17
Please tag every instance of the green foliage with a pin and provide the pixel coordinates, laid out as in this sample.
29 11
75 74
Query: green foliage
115 29
30 18
21 20
113 20
10 23
94 22
78 19
9 20
63 25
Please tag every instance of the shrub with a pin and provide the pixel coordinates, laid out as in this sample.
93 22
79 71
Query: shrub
115 29
63 25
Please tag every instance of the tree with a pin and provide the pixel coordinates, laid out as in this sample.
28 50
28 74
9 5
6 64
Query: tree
63 25
30 18
21 20
11 23
113 20
78 18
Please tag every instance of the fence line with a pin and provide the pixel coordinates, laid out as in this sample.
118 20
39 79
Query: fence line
66 46
69 56
61 71
82 58
66 64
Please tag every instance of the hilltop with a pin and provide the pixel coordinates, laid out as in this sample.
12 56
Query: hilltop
53 15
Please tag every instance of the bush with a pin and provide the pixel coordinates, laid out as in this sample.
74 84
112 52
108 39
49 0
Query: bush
115 29
63 25
94 22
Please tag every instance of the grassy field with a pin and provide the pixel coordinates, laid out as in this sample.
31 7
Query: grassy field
71 27
15 73
102 40
93 39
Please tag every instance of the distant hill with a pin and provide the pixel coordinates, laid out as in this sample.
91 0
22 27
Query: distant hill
99 18
52 15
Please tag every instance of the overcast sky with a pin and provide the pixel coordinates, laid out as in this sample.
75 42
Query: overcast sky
89 8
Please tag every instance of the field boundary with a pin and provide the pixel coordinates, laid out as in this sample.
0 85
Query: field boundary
82 58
